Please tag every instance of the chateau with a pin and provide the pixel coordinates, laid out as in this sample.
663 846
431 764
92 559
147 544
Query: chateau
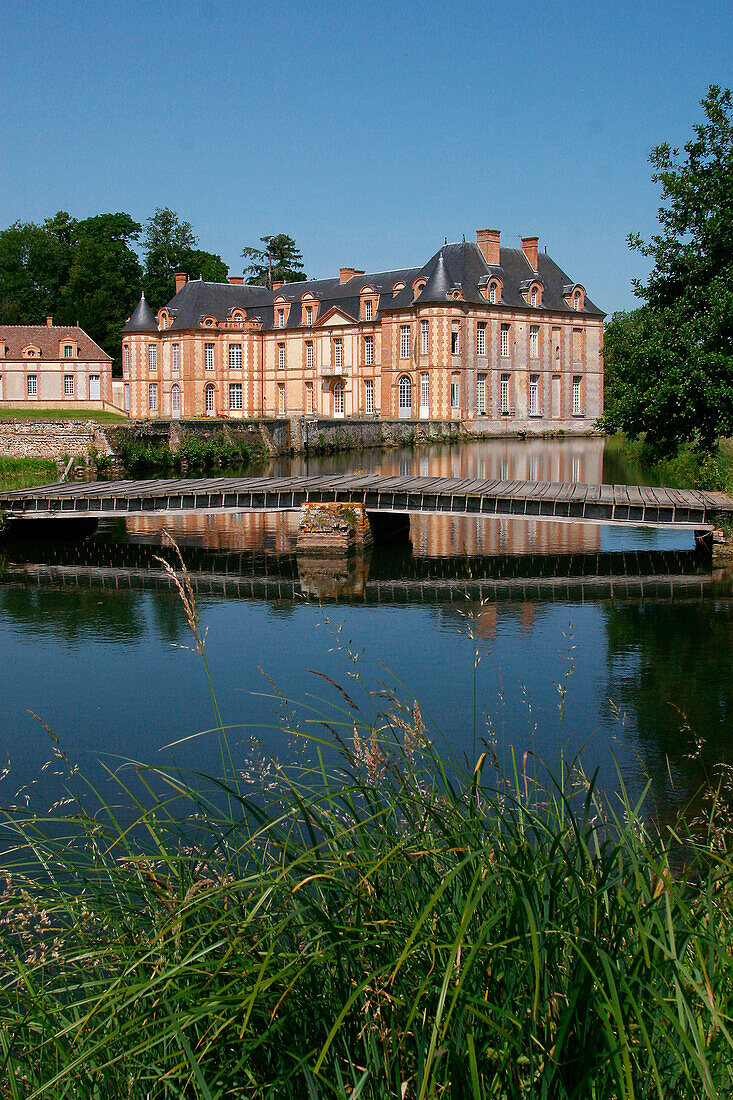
497 338
53 365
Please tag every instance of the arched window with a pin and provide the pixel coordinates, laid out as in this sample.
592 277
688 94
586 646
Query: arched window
405 397
576 300
176 401
209 400
492 294
534 296
338 399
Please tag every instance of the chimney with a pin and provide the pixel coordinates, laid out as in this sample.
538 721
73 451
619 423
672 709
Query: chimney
181 280
488 242
236 280
49 322
346 273
529 247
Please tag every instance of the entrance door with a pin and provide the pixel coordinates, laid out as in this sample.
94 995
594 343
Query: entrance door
175 402
210 410
94 394
556 397
405 398
338 400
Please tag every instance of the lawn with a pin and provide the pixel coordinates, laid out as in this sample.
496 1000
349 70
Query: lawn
102 417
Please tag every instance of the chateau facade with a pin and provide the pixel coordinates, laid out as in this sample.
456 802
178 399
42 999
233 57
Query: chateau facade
480 334
52 365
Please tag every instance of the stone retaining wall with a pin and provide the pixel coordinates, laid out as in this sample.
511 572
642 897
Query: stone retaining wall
273 435
54 439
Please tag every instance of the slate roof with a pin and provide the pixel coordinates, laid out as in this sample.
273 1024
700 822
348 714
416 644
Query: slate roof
143 318
459 265
47 338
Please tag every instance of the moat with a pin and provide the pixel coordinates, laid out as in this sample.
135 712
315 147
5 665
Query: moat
611 641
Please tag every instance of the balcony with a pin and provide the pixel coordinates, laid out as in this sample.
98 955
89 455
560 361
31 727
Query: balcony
334 370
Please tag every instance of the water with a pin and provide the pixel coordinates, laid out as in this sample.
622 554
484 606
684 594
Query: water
613 641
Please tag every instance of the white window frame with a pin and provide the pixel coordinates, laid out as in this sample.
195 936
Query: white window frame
309 315
492 294
533 297
153 396
280 356
504 383
68 351
208 356
455 342
152 357
281 318
404 391
68 385
369 351
576 300
338 352
281 398
126 396
481 338
481 395
534 341
504 349
175 408
369 396
309 354
210 400
31 385
235 396
126 358
424 393
368 310
455 393
175 358
338 400
235 357
577 383
404 341
425 337
309 398
534 393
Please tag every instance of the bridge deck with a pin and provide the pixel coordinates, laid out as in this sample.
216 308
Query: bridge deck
624 504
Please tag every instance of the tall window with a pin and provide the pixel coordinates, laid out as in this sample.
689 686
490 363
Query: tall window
404 341
309 315
209 357
209 400
235 395
424 390
533 298
455 393
153 396
126 358
534 385
504 341
68 351
175 358
367 311
576 300
309 397
127 396
424 337
338 399
405 396
481 395
281 318
152 357
309 354
338 352
577 410
534 341
281 397
69 385
481 338
235 357
504 393
455 342
281 355
492 294
32 385
369 350
369 396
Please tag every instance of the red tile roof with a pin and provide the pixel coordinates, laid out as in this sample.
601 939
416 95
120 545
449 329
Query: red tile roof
48 338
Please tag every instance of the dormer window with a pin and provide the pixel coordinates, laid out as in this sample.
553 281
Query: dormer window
309 315
417 287
533 297
397 288
209 322
281 318
492 294
368 310
238 319
68 351
576 300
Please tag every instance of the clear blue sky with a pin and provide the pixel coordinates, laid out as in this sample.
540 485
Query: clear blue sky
368 131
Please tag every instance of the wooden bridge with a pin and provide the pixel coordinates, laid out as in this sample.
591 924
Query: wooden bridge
616 504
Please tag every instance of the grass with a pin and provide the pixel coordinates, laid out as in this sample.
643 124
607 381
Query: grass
688 469
21 473
382 922
63 413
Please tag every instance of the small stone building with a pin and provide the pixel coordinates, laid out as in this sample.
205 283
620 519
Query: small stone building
500 339
52 366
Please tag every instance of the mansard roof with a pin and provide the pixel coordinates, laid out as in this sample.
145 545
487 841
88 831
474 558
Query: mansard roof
454 266
47 339
143 318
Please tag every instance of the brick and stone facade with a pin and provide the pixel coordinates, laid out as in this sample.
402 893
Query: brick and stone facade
499 339
53 366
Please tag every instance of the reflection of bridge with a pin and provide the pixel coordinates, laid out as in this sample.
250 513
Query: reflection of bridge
618 504
392 578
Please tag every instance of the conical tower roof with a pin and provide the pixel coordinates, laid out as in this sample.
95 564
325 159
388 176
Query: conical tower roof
143 319
438 284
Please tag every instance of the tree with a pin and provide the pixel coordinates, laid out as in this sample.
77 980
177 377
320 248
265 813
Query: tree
104 278
279 261
170 246
670 363
34 266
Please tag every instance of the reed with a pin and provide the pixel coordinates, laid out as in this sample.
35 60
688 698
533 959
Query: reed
376 920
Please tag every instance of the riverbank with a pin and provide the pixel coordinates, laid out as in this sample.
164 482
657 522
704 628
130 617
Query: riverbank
688 469
22 473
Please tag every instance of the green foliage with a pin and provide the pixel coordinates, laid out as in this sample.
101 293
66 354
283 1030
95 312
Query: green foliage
34 266
689 468
670 364
169 246
279 260
222 449
21 473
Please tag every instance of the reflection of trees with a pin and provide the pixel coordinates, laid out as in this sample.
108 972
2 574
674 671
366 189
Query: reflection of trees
72 614
671 667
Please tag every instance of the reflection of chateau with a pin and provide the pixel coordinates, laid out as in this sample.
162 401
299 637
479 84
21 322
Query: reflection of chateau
579 460
478 334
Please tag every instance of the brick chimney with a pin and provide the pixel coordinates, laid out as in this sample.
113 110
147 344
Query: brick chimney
277 283
346 273
49 322
488 242
181 280
236 280
529 247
